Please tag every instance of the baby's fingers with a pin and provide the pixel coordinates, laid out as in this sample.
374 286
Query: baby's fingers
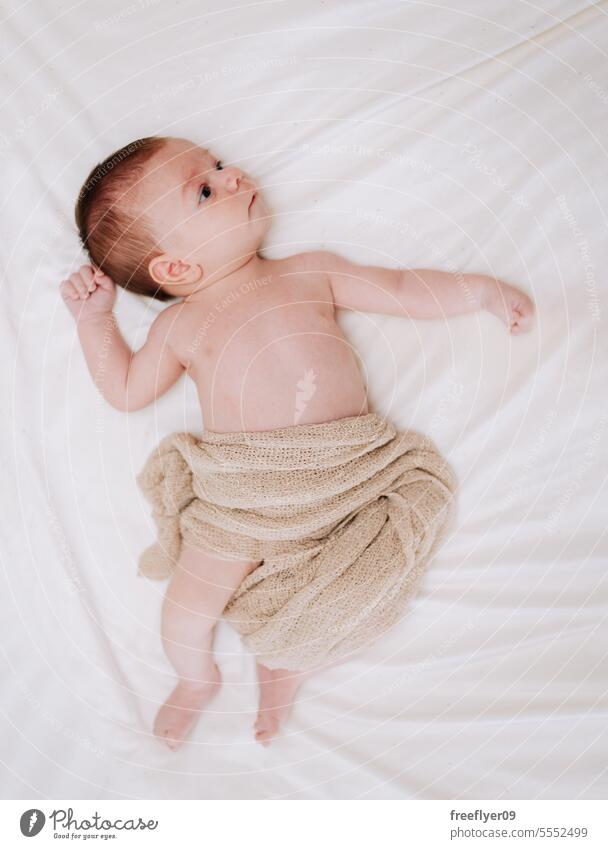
80 284
522 316
68 291
103 280
89 277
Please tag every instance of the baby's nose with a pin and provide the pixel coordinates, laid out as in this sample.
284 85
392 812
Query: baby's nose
233 178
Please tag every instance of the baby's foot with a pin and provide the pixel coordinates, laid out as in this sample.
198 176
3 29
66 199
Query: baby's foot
177 716
278 688
512 306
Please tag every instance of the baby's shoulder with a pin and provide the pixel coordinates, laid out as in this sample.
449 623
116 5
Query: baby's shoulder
168 320
314 266
309 260
174 328
167 316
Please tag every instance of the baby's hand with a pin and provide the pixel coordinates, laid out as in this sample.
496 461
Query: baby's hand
512 306
88 293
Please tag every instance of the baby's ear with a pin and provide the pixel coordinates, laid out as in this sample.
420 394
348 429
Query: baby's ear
166 270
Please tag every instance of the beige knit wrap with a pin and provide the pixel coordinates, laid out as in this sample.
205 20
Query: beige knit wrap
344 515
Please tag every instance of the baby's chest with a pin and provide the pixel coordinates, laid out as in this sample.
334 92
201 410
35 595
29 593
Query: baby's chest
250 323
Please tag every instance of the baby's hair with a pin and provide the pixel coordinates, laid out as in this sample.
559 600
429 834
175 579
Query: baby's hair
118 243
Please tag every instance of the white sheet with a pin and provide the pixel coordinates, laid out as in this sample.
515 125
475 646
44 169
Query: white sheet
400 133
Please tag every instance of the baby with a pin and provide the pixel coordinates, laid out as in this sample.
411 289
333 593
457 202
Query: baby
165 218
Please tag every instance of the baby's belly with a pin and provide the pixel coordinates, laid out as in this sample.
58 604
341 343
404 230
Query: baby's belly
305 381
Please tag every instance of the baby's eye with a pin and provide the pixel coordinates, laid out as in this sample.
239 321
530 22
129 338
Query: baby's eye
203 192
219 165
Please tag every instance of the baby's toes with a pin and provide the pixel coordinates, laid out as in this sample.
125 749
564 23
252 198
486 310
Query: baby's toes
266 728
265 737
166 729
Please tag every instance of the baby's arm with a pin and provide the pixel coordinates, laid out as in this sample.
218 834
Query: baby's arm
127 380
423 293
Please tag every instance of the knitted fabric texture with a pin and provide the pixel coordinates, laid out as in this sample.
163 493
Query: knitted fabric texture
344 516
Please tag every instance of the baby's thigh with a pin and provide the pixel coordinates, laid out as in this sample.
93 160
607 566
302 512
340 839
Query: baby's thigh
204 576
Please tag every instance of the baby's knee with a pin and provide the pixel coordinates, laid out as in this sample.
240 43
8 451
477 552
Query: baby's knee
184 625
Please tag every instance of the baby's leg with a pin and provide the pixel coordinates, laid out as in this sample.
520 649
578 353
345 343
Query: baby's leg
278 691
198 592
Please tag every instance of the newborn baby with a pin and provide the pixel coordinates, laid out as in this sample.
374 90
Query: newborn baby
164 218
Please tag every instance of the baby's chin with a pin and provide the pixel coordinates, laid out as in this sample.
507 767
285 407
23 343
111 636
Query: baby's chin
259 216
254 203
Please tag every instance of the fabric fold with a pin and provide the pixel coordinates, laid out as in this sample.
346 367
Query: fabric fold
344 516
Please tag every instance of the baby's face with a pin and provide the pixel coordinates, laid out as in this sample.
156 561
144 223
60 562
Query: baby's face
201 211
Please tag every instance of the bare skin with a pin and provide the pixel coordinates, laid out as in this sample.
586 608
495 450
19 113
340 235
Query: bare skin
200 586
278 691
260 340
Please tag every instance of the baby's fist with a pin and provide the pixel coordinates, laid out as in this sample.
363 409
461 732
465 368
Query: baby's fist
512 306
88 293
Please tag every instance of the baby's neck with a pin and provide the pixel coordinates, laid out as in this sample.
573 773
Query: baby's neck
219 285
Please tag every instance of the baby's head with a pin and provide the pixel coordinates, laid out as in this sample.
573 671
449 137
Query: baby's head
163 217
